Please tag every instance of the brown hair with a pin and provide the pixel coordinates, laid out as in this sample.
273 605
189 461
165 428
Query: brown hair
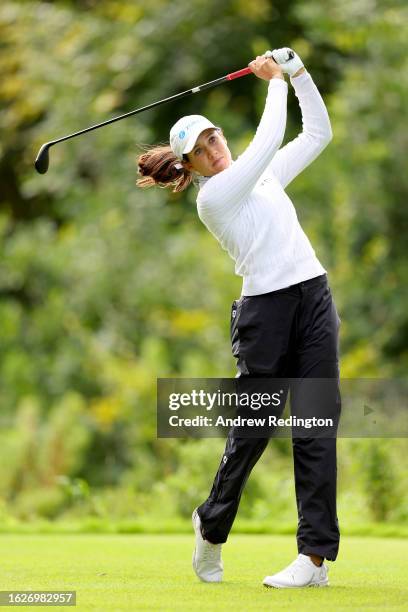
159 166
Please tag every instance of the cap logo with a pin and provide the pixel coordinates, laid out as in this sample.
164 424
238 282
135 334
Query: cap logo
182 134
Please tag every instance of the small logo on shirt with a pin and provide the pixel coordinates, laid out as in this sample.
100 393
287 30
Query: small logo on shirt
267 180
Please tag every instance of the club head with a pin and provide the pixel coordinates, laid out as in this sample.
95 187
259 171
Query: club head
43 159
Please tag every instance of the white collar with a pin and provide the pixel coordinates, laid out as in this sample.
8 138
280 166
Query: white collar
203 179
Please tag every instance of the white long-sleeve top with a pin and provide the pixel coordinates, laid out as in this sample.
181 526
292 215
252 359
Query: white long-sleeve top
245 206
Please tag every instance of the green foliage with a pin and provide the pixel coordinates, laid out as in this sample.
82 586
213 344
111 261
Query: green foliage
382 478
39 451
103 288
362 219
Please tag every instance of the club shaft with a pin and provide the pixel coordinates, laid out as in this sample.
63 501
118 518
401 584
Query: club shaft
193 90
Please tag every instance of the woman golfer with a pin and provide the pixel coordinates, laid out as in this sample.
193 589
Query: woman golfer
285 323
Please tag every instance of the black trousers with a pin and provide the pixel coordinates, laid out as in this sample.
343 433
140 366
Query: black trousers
292 332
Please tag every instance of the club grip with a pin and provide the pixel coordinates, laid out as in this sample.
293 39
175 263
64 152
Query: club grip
238 73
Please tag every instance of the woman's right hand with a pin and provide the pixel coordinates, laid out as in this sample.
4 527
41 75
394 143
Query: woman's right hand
266 68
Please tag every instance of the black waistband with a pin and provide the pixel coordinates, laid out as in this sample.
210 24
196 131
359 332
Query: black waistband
311 281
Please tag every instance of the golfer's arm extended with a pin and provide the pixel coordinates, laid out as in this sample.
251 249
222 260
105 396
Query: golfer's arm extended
226 191
291 159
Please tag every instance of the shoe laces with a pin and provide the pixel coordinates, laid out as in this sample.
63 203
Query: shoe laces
298 562
211 552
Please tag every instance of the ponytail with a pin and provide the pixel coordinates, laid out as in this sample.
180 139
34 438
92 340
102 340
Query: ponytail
159 166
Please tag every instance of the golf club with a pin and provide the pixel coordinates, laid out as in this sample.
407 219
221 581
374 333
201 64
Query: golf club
42 160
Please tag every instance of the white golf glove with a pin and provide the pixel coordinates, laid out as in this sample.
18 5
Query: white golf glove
287 59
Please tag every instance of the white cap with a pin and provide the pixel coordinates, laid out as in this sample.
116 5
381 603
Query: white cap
184 133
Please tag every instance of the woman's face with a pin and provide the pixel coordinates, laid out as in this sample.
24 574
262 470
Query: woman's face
210 155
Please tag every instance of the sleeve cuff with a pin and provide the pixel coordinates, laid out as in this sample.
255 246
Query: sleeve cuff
305 77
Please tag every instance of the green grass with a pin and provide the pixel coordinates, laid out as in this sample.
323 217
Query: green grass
159 526
152 572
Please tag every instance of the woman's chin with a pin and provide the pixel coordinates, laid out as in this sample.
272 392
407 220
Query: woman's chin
219 166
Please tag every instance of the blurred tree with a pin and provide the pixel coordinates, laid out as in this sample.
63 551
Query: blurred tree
103 287
363 224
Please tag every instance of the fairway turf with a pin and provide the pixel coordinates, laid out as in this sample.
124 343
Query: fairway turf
151 572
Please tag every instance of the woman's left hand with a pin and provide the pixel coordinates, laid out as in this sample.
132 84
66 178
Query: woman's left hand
265 68
289 61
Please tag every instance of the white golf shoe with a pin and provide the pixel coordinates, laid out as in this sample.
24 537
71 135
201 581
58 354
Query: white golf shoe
207 562
301 573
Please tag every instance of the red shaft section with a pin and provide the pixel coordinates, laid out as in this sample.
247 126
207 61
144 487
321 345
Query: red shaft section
238 73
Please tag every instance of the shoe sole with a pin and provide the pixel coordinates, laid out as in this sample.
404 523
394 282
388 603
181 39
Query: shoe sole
198 576
279 586
195 533
194 553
